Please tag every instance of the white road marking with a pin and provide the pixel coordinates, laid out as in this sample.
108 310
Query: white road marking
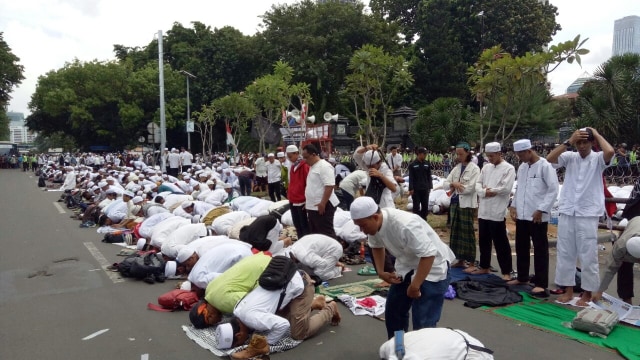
88 337
144 357
60 209
103 262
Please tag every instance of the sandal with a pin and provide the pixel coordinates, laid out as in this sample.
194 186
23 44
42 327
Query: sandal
367 271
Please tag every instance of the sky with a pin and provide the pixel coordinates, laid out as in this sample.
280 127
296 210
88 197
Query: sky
45 34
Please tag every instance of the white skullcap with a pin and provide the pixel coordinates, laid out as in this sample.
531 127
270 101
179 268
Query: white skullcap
522 145
227 186
371 157
492 147
363 207
94 188
141 243
133 178
184 254
210 182
633 247
292 149
110 191
111 178
186 285
270 155
224 336
137 199
103 184
90 184
135 209
129 194
332 160
280 154
186 204
170 269
186 177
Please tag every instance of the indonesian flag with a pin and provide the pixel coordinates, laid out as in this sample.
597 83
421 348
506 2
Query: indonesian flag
284 117
230 140
303 112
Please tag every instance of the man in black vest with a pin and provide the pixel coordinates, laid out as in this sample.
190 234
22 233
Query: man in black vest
420 183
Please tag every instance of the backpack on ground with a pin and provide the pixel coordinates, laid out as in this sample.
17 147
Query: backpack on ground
595 321
41 182
277 275
149 268
175 300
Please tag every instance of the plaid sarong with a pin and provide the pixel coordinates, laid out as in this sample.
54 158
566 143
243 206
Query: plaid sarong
463 239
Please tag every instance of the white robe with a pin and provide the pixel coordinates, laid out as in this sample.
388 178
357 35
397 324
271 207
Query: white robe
319 252
216 261
162 230
182 236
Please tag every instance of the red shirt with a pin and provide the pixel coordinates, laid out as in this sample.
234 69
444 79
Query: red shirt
297 182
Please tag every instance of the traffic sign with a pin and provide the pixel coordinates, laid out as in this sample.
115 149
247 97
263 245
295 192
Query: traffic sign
190 126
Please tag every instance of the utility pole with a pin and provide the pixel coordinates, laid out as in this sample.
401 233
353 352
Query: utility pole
189 123
163 125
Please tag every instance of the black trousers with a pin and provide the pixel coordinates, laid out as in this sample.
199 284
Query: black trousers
300 221
389 260
625 281
245 185
172 171
494 232
528 232
421 203
322 224
274 191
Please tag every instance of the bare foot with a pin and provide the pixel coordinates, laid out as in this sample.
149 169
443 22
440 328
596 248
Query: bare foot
470 269
318 303
567 296
335 318
480 271
506 277
459 264
585 298
537 289
382 284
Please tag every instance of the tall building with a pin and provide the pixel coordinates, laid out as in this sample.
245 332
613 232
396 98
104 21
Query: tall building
577 84
19 133
626 35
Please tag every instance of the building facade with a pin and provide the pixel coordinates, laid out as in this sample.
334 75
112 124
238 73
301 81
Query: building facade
19 133
626 35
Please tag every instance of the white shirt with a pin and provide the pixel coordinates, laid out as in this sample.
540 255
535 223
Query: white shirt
161 231
117 210
354 182
186 157
436 343
499 178
215 262
257 309
223 223
148 224
174 160
342 171
182 236
261 168
274 173
204 244
69 181
409 238
319 252
537 189
583 190
394 161
217 197
320 175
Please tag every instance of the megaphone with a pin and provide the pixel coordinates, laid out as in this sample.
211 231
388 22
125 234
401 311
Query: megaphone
328 117
294 114
311 119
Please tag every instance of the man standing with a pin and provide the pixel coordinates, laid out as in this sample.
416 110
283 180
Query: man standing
395 161
320 200
422 263
174 162
186 159
274 175
535 194
493 188
261 172
298 172
581 204
420 183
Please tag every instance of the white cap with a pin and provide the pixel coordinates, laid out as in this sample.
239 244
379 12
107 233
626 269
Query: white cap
227 186
270 155
186 204
522 145
280 154
492 147
332 160
224 336
371 157
103 184
136 199
633 247
184 254
170 269
292 149
186 285
141 243
363 207
210 182
129 194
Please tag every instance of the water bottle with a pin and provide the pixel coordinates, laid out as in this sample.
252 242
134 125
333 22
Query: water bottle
554 217
362 251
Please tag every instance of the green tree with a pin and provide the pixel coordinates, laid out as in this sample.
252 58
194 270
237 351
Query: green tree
11 72
611 101
58 139
511 91
5 133
376 79
204 122
318 41
441 124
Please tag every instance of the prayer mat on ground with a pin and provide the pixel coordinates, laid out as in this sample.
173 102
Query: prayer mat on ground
357 289
206 339
458 274
548 316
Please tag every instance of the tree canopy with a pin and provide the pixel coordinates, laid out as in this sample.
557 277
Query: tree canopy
11 75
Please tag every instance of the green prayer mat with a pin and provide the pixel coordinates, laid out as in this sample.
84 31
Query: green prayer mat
357 289
550 316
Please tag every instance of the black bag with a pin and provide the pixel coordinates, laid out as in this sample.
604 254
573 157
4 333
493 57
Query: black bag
375 189
118 238
124 267
278 273
350 165
41 182
149 268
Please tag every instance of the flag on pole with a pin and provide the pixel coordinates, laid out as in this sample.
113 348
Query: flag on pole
303 112
230 140
284 117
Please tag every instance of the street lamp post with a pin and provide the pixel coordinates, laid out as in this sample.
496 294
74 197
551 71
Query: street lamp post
189 125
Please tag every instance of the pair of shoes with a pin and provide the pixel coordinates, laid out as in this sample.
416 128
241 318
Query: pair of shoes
367 271
258 346
540 294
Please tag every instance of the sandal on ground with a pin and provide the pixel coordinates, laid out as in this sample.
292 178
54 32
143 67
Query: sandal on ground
540 294
367 271
557 291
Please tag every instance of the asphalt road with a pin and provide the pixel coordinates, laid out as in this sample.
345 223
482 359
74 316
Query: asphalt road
54 293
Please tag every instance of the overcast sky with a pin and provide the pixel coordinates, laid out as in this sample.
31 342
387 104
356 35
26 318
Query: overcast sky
45 34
